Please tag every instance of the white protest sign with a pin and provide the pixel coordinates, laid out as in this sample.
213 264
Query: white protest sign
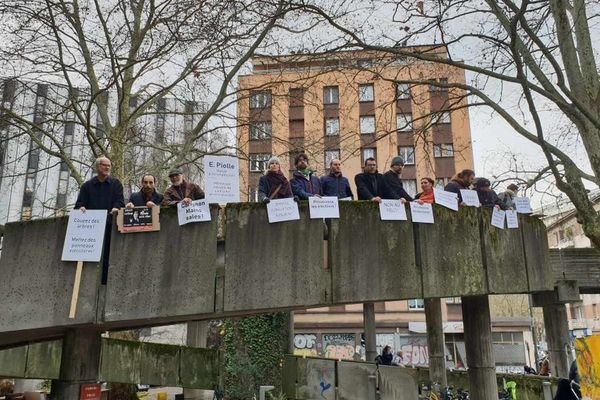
498 218
422 213
324 207
222 179
85 236
392 210
196 211
346 199
282 210
446 199
523 205
470 198
512 219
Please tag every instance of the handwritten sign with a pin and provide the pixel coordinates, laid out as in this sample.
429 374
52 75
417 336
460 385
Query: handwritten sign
138 219
523 205
324 207
197 211
470 198
421 213
498 218
85 236
222 179
446 199
282 210
392 210
512 219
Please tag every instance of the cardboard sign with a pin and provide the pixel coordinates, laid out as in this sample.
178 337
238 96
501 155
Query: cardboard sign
138 219
222 179
85 236
421 213
498 218
392 210
523 205
512 219
323 207
470 198
197 211
282 210
90 392
446 199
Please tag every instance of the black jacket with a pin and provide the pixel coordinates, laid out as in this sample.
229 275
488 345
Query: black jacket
96 195
371 185
394 186
489 199
137 199
455 187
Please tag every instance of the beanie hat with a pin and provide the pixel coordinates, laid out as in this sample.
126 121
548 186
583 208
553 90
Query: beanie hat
397 161
272 160
482 182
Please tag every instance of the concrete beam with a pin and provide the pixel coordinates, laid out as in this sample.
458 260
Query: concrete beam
557 336
370 329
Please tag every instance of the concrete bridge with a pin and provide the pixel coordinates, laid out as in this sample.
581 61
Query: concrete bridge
244 265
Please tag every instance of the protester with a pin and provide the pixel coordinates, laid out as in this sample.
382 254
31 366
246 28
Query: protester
335 184
273 184
304 183
463 180
544 367
181 191
398 359
370 184
147 196
487 197
386 356
508 197
394 183
426 196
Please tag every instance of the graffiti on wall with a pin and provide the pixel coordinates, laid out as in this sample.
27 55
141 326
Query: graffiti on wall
305 344
414 350
339 345
588 365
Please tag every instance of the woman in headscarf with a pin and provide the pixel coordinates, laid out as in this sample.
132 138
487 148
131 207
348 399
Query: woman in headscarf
273 184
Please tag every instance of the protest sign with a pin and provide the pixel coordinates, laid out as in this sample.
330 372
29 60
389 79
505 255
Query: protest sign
422 213
392 210
324 207
282 210
346 199
498 218
138 219
90 391
470 198
512 219
446 199
523 205
222 179
196 211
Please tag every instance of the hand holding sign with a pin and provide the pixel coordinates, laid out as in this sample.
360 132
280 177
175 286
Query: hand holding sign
446 199
512 220
392 210
282 210
498 218
422 213
523 205
470 198
196 211
324 207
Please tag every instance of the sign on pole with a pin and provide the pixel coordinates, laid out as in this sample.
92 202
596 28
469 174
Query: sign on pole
282 210
138 219
323 207
196 211
421 213
392 210
498 218
222 179
470 198
90 391
446 199
523 205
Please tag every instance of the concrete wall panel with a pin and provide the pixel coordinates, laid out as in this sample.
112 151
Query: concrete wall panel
13 361
43 360
397 383
120 361
535 242
356 381
315 379
159 364
199 368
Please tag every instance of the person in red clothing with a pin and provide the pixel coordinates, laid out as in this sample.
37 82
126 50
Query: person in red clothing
426 196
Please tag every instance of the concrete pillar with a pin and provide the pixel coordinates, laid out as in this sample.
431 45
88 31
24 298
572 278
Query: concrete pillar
197 336
370 331
435 341
478 344
80 362
557 336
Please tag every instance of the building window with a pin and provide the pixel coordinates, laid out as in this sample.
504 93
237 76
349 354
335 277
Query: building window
416 304
332 126
260 99
331 95
366 93
331 155
253 194
367 125
404 122
454 300
402 91
440 183
258 162
368 153
408 154
434 88
296 97
440 117
443 150
260 130
410 185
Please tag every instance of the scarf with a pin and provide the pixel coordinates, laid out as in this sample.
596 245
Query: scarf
276 179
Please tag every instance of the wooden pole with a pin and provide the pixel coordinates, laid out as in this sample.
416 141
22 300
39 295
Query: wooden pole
76 285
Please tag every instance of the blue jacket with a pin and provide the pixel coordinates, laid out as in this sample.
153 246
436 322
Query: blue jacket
338 186
305 188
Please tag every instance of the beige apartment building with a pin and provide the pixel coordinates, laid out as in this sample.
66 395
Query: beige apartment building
354 105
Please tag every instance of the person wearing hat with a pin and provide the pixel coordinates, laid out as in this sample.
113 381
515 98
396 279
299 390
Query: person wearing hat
487 197
273 184
393 182
304 183
508 197
147 196
181 190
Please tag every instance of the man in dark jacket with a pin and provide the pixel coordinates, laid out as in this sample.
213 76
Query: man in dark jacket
304 183
463 180
487 197
393 182
335 184
147 196
370 184
181 190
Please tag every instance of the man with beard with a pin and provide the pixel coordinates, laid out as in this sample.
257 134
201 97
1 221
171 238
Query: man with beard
147 196
181 191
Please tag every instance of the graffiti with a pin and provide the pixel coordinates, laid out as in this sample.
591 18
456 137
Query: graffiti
415 355
305 341
339 345
324 387
306 352
588 365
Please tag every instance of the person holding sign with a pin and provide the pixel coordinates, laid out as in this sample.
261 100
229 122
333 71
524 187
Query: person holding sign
426 196
508 197
463 180
147 196
273 184
487 197
304 183
335 184
370 184
393 182
181 191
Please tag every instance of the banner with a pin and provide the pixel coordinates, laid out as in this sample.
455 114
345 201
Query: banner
222 179
197 211
446 199
324 207
470 198
392 210
85 236
421 213
498 218
282 210
523 205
